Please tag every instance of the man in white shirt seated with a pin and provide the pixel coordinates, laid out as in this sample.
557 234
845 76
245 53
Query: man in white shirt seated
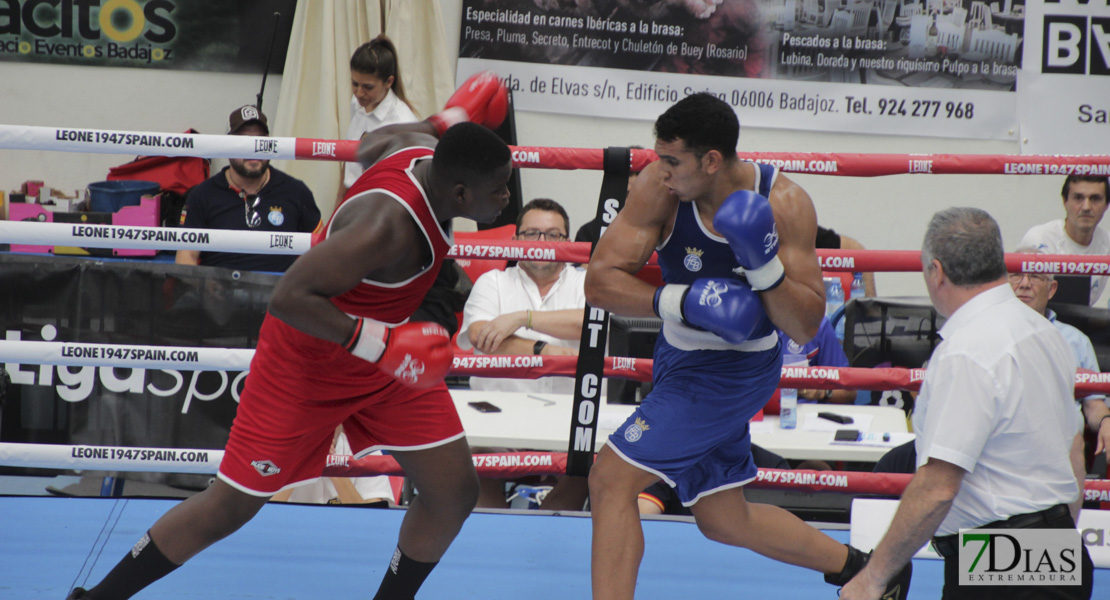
1035 290
1078 232
534 308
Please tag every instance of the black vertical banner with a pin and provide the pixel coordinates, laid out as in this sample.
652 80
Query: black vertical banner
595 330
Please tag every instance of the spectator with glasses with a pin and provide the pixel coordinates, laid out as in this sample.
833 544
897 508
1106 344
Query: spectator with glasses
1035 290
533 308
248 194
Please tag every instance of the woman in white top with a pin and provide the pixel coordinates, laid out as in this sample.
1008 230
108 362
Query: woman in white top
377 97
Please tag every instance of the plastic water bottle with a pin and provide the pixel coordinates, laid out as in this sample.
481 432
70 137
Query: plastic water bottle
788 408
834 301
857 287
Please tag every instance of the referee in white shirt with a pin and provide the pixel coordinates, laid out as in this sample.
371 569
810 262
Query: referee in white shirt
995 418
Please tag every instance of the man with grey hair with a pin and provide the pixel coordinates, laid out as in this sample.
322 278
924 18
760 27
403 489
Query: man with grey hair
1035 290
994 419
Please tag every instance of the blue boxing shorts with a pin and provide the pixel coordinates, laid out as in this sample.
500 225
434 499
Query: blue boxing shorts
692 428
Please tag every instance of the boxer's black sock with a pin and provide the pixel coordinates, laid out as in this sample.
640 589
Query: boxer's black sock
142 566
403 577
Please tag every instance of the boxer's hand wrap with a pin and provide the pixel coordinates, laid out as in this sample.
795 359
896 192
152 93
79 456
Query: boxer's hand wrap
668 302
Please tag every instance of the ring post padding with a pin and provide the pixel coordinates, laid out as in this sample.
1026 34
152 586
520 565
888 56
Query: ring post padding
595 333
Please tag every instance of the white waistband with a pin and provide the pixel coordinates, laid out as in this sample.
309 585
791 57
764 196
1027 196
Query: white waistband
686 338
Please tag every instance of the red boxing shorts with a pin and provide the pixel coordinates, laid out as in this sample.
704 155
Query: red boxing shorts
299 389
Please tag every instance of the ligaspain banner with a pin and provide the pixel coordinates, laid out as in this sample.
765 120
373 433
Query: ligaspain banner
192 35
1064 91
943 68
53 298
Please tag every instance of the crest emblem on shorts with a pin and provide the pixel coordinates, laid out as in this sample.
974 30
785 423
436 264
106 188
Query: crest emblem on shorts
265 468
636 430
692 262
276 217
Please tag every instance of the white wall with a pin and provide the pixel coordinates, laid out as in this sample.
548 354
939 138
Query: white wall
113 98
883 212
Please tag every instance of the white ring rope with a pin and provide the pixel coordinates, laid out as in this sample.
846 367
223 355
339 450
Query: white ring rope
105 141
146 143
88 235
207 462
130 237
110 458
238 359
126 356
511 464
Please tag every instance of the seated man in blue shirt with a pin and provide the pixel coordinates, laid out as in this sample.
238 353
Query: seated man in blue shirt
1035 290
825 350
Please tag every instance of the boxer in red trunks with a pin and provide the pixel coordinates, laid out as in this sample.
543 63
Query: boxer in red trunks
336 347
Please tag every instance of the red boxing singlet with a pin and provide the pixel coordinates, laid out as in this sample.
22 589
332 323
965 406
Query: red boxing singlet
394 303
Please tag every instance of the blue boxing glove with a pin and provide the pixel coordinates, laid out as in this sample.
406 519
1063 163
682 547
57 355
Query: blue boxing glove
725 307
748 223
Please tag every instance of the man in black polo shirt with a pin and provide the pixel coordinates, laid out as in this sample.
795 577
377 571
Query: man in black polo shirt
248 194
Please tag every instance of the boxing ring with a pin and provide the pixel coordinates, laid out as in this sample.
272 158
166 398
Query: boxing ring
49 545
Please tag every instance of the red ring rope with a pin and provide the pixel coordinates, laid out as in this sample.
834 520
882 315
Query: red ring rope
515 464
842 164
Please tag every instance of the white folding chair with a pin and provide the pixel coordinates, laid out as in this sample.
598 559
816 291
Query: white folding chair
861 16
841 22
919 26
951 36
994 44
980 16
886 16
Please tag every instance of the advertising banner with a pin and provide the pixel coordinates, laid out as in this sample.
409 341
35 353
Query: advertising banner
943 68
191 35
76 300
1063 103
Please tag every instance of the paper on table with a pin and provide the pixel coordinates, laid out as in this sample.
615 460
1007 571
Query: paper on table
814 423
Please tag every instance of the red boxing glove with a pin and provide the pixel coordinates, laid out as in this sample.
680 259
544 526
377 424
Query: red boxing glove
416 354
481 99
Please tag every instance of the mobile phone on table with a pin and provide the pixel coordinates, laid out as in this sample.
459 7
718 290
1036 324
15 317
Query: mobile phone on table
483 406
847 435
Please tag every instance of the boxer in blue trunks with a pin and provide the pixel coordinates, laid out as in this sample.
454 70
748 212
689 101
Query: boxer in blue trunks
735 242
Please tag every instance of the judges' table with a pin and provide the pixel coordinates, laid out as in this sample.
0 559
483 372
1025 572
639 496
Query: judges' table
812 439
529 421
542 422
